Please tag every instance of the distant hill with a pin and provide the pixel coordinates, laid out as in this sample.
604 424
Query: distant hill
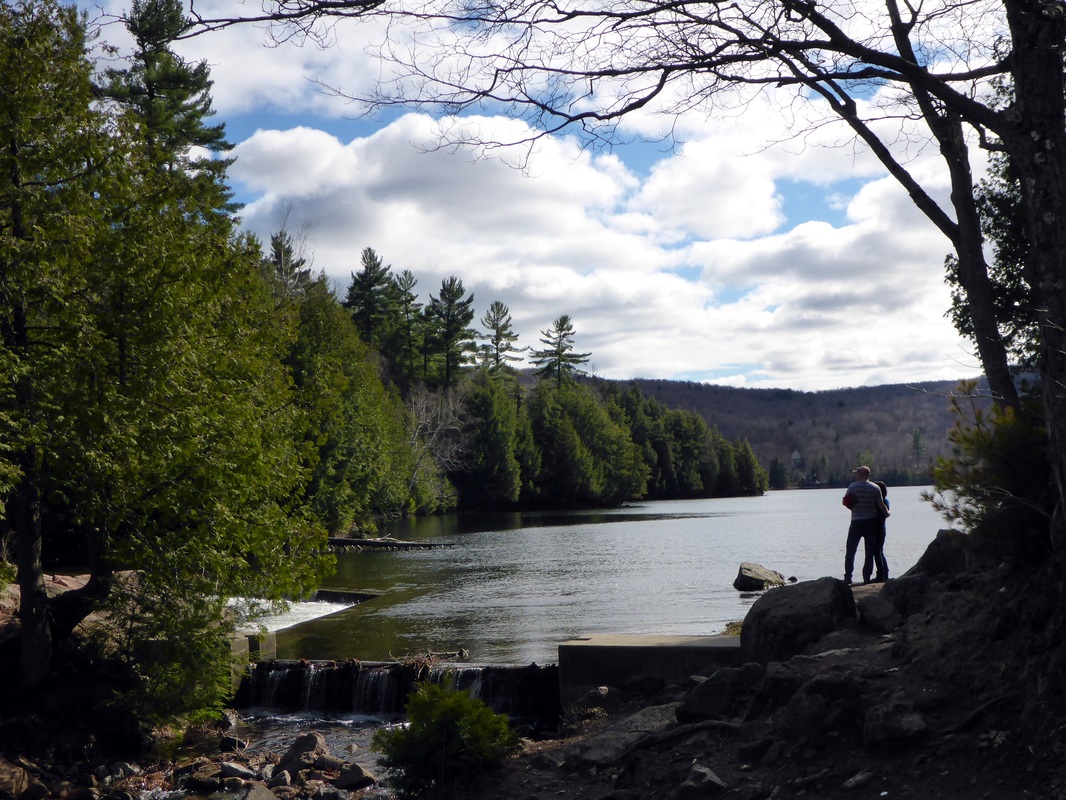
899 430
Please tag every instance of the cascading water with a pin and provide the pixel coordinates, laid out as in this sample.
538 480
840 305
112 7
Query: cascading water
354 687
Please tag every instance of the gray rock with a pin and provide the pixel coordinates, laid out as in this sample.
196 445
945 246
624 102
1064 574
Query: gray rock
701 782
279 778
948 554
355 777
606 747
755 578
786 620
304 752
878 614
259 791
231 769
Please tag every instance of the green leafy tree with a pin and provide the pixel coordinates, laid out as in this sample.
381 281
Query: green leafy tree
357 450
51 139
490 476
146 364
686 457
751 477
587 458
728 476
558 359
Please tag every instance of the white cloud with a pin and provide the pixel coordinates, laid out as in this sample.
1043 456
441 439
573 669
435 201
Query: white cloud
685 268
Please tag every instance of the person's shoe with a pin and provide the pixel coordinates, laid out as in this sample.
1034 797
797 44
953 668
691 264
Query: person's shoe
847 580
878 579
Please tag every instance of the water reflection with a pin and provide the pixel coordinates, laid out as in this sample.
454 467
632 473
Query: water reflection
513 586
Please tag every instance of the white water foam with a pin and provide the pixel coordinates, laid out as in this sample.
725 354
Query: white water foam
271 622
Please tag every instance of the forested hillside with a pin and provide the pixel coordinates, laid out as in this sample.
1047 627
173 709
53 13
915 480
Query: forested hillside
187 413
899 430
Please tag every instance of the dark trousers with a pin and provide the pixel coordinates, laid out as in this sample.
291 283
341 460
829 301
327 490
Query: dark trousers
875 556
866 531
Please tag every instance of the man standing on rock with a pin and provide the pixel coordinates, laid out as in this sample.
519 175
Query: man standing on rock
867 508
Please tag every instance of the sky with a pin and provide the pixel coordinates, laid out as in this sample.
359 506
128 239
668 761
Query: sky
743 254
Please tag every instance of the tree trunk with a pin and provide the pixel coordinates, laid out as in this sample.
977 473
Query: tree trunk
1038 153
973 268
25 518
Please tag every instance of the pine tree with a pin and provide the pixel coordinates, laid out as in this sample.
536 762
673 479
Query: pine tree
499 352
368 297
284 267
558 359
451 314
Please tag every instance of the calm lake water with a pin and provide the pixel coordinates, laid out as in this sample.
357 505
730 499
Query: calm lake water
509 588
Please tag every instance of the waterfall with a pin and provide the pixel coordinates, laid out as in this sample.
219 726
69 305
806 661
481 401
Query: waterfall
381 689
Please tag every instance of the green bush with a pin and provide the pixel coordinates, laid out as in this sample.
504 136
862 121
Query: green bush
450 739
997 482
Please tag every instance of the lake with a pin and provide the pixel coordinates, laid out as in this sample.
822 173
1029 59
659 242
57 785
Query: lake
509 588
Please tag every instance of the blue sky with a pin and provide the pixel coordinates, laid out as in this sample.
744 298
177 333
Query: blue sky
724 259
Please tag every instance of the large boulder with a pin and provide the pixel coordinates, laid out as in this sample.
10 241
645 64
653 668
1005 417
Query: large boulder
355 777
304 753
948 554
878 613
755 578
908 594
786 620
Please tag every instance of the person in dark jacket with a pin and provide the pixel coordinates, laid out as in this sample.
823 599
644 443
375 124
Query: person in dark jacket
875 555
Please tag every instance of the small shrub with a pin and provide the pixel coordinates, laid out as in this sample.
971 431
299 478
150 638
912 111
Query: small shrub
450 739
997 481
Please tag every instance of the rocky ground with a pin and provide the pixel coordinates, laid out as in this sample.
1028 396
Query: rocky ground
963 699
938 708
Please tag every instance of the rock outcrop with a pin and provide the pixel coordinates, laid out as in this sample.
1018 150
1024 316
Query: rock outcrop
788 619
756 578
